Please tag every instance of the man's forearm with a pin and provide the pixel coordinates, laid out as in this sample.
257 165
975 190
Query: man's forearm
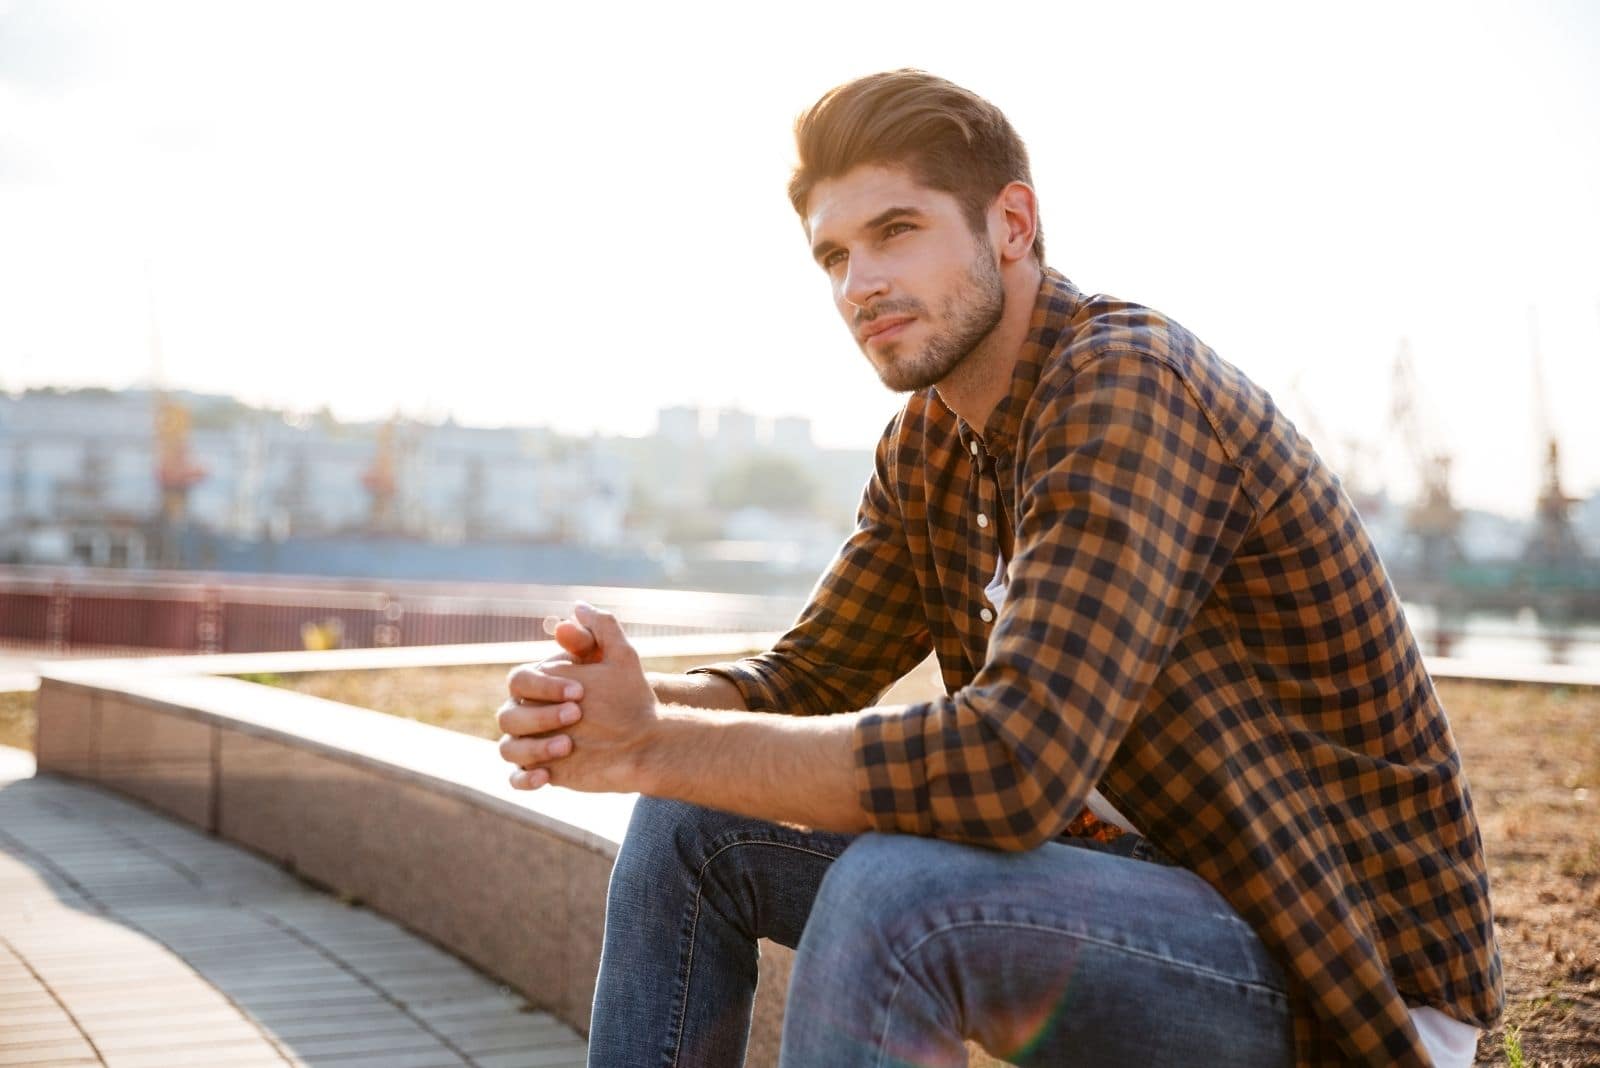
696 691
787 769
709 750
686 737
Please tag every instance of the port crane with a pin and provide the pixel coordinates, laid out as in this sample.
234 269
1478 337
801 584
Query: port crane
177 473
382 481
1553 543
1433 519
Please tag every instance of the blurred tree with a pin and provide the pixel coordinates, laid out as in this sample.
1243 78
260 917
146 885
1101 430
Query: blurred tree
765 480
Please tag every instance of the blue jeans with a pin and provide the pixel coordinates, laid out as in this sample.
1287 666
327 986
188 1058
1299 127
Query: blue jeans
1068 954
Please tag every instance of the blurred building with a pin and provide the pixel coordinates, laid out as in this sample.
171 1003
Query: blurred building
79 478
287 492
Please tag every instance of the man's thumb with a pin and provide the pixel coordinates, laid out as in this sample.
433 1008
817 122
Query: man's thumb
576 639
603 625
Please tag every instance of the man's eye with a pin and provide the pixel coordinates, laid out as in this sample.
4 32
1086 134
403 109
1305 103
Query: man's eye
833 259
897 228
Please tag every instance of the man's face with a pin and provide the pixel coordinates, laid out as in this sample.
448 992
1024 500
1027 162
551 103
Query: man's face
917 288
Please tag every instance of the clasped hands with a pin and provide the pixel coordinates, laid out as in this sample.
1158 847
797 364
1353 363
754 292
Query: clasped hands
582 718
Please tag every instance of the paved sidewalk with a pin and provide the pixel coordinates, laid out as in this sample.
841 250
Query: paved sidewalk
130 941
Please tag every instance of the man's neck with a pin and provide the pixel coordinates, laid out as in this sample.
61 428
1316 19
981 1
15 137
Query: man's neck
977 384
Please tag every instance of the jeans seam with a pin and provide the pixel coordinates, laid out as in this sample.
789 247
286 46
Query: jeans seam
694 926
1196 969
888 1011
900 957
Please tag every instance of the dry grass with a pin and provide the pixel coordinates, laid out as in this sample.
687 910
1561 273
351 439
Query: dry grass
460 698
1532 756
16 720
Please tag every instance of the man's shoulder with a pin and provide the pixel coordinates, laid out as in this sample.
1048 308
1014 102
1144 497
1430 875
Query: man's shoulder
1103 325
1154 343
1149 344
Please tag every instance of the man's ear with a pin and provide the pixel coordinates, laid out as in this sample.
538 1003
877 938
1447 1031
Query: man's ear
1014 222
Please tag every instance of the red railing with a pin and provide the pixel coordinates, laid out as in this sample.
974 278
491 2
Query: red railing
83 610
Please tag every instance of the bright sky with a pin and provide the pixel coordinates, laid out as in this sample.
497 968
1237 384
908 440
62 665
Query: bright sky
573 214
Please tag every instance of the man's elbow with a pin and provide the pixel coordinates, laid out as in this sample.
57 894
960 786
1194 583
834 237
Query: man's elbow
1027 828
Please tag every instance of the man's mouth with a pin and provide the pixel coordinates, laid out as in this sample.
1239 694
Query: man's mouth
884 328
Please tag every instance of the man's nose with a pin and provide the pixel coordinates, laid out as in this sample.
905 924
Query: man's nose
864 281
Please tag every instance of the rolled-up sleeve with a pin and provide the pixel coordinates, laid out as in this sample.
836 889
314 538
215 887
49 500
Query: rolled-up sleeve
864 625
1128 509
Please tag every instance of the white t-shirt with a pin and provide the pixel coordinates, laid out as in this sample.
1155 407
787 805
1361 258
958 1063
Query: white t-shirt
1449 1042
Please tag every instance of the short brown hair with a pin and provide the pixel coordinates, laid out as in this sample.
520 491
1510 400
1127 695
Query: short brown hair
949 138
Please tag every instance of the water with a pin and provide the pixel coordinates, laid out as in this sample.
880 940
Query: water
1505 640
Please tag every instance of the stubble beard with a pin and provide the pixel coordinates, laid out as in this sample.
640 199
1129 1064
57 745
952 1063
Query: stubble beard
972 312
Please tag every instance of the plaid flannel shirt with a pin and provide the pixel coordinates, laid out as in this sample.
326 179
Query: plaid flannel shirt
1198 624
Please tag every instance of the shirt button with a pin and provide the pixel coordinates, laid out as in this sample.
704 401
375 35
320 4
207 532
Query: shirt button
983 520
986 615
973 445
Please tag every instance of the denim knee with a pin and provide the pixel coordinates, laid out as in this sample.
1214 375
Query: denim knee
870 886
664 838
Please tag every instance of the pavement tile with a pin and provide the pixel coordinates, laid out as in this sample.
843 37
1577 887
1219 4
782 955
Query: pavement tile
54 1054
319 975
405 1040
570 1056
289 998
279 1015
487 1004
424 989
21 994
232 1055
30 1017
219 1032
294 1030
488 1045
443 1058
177 1017
57 1030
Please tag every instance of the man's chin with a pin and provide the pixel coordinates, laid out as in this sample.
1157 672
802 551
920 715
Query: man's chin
897 383
911 373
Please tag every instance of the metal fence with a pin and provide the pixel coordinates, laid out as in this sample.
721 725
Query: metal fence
78 610
104 612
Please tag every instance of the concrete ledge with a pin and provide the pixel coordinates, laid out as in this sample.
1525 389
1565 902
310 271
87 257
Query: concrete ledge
1442 667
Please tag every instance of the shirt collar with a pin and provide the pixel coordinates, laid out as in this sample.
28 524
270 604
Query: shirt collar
1053 308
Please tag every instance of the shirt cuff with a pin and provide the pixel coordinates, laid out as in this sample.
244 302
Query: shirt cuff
754 687
890 778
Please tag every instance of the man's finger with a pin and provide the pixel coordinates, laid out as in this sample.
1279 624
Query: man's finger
527 752
607 631
530 779
576 639
531 682
520 719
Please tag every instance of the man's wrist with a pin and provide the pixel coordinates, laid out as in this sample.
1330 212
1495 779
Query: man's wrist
695 691
653 761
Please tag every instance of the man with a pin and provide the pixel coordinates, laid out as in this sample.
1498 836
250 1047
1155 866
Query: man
1191 798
